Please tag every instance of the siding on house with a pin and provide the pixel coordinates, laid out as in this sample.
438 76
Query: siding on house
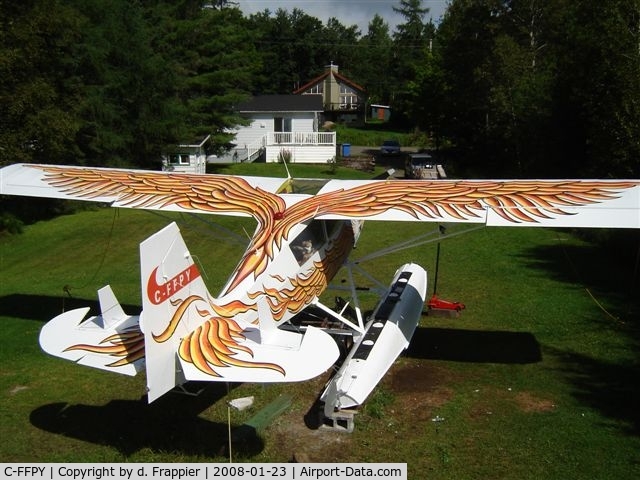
279 123
343 99
187 158
303 154
263 123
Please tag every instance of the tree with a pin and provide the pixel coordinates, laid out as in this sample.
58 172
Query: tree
128 93
291 47
340 44
220 63
413 30
425 94
220 4
40 91
466 36
210 56
597 92
411 44
39 84
543 88
520 70
372 65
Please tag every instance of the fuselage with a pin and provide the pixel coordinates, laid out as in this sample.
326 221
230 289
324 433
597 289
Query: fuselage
299 271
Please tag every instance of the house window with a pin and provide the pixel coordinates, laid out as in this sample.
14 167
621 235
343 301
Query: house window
282 129
348 97
318 88
179 159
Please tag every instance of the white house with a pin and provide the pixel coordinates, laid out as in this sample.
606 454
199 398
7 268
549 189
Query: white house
282 126
187 158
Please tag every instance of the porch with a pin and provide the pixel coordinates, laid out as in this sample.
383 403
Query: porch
294 147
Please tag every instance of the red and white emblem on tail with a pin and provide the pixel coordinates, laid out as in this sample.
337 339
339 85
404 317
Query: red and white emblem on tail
160 292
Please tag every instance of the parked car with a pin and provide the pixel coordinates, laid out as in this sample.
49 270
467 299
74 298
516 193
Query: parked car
422 166
390 147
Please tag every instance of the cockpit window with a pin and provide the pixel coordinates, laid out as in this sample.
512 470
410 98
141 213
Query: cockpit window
309 241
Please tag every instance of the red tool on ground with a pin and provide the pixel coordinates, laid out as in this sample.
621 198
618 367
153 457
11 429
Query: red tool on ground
437 306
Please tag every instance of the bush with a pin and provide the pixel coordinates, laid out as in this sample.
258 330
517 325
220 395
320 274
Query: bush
20 211
10 223
285 156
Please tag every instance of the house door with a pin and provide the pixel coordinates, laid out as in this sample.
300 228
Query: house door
282 124
282 129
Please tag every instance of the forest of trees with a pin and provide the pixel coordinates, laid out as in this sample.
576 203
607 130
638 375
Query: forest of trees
520 88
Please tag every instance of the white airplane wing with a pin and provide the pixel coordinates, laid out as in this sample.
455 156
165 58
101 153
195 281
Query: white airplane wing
222 194
547 203
557 203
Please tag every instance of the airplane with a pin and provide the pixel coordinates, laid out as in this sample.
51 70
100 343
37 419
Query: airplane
306 230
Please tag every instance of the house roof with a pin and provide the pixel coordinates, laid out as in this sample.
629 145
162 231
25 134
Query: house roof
282 103
321 77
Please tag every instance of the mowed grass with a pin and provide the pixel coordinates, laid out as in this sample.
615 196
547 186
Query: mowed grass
537 379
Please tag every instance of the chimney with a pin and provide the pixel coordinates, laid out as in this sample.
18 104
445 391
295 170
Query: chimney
331 68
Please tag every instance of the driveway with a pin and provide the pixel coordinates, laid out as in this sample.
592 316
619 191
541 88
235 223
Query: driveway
388 161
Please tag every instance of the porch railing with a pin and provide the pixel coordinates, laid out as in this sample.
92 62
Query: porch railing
301 138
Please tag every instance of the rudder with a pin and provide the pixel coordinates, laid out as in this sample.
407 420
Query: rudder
170 281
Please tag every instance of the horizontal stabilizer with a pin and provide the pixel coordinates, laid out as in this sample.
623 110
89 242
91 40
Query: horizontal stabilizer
112 342
251 361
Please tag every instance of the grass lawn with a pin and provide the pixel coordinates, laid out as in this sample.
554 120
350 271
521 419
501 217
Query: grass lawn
537 379
375 134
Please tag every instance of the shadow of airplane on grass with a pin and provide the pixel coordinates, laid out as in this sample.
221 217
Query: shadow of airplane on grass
477 346
609 387
45 307
170 424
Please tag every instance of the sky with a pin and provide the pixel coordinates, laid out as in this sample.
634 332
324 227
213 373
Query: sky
348 12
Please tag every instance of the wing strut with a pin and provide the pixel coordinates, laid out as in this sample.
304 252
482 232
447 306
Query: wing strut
416 242
354 297
359 328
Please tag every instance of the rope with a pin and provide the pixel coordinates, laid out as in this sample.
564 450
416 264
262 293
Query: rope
580 280
67 288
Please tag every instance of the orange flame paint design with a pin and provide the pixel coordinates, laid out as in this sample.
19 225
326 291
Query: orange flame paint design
525 201
128 344
306 287
213 344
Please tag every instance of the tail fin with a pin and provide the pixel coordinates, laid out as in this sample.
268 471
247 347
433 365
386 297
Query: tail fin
111 309
186 340
170 281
